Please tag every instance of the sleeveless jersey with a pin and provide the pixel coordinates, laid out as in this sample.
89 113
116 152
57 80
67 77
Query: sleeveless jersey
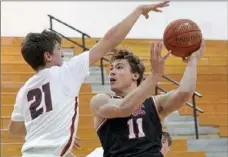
138 135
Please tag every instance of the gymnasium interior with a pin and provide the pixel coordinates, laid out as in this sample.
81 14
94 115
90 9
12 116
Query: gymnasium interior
199 129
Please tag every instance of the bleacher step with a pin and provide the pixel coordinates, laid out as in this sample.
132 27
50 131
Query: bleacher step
209 145
217 154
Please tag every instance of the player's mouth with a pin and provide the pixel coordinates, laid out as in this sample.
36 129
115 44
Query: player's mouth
112 80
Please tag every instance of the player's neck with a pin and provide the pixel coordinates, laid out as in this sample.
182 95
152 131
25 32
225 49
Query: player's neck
47 66
125 92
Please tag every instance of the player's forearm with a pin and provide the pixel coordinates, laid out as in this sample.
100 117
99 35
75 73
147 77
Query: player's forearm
117 33
16 129
188 81
114 36
134 99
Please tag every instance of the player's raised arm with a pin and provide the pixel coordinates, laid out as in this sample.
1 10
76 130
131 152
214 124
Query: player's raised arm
173 100
117 33
73 72
104 106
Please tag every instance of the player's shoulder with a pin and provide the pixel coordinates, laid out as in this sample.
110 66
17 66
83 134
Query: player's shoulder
100 97
21 92
104 96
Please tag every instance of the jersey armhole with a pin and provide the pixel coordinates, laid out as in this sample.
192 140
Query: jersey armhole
156 107
105 119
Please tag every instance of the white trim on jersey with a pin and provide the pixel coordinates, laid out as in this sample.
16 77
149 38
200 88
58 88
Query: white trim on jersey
101 124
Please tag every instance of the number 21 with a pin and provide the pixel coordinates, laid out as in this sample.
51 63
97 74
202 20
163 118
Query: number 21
132 134
37 93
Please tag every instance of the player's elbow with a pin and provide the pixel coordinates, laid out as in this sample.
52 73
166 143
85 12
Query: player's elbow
184 96
11 129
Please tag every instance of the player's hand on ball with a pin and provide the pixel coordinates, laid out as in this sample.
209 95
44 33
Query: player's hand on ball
157 61
197 54
153 7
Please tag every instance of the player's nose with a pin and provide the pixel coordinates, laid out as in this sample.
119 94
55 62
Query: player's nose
112 72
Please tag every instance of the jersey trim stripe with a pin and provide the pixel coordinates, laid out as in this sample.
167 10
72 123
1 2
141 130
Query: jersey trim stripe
156 107
72 129
101 124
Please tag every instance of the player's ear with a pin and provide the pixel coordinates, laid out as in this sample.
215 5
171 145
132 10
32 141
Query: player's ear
47 57
135 76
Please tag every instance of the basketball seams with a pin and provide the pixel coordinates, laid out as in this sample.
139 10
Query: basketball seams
183 46
181 34
175 23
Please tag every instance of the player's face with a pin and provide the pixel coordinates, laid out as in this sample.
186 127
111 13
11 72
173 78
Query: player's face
57 59
121 77
54 59
165 146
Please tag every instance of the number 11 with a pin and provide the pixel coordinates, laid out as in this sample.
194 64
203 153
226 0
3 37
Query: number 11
132 134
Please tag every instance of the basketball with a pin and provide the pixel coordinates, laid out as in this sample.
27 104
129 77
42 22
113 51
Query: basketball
182 37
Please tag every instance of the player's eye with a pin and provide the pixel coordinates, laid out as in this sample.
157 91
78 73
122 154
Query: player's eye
119 67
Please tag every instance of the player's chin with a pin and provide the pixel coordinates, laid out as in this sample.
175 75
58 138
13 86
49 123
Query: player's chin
59 64
114 87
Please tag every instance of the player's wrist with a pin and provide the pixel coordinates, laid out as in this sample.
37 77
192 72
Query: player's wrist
155 76
139 9
192 61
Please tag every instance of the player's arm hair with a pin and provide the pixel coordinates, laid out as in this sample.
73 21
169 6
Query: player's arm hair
104 106
114 36
175 99
17 128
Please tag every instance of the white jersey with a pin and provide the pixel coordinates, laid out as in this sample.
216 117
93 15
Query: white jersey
98 152
48 105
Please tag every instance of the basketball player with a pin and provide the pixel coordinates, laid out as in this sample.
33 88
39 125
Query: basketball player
129 123
46 108
166 144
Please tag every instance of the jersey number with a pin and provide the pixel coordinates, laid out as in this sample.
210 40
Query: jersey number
37 93
132 134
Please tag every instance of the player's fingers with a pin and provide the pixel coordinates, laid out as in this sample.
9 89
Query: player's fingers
202 44
146 16
167 55
157 10
164 4
159 49
152 53
158 54
185 59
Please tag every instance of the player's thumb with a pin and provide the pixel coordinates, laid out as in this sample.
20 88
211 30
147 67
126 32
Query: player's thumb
167 55
146 15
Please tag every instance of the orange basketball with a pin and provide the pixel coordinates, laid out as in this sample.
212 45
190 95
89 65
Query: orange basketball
182 37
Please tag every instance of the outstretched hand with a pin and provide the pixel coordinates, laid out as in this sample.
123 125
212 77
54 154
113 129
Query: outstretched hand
197 54
153 7
157 61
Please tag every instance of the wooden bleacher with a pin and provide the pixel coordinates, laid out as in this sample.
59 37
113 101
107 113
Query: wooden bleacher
212 84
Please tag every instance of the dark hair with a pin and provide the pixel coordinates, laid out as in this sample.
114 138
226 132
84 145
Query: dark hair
168 137
134 62
36 44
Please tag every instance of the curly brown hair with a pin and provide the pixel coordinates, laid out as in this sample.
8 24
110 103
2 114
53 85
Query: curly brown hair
133 60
